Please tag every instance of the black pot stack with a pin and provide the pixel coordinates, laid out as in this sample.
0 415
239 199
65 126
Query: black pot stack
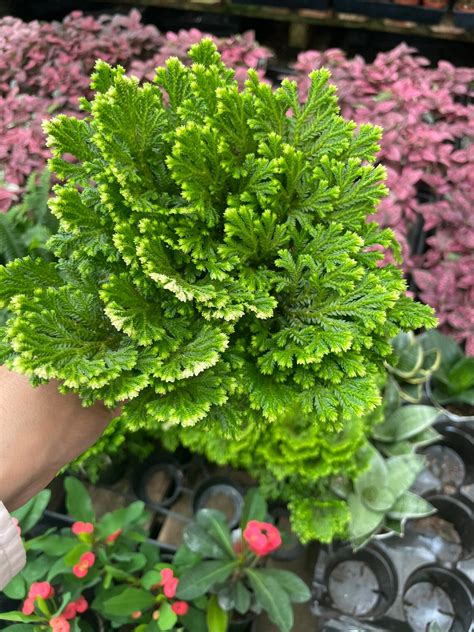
423 579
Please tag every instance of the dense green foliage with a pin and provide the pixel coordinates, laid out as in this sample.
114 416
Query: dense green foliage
214 256
27 226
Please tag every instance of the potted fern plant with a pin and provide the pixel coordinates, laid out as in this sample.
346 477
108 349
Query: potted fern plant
216 271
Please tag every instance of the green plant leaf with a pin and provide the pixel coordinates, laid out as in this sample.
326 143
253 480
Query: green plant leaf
167 618
202 577
402 471
273 599
18 616
461 375
295 587
74 555
377 498
195 620
151 578
52 544
410 505
410 360
30 514
255 507
121 518
466 397
126 602
16 588
215 524
200 542
405 423
395 525
242 598
412 393
364 521
216 618
78 501
184 558
375 474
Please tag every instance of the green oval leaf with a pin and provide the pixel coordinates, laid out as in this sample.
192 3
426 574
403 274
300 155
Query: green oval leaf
295 587
127 601
410 505
255 507
167 618
216 618
78 501
202 577
377 498
31 512
215 524
406 422
273 599
198 540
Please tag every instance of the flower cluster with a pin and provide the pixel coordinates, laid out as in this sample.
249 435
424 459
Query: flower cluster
85 532
262 537
428 148
40 599
86 562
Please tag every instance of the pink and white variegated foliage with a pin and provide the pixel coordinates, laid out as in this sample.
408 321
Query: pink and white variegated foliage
428 148
46 67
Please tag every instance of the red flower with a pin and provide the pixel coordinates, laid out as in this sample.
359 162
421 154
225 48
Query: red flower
82 527
166 575
110 539
81 604
85 563
60 624
41 589
170 587
70 611
180 607
28 606
137 614
262 537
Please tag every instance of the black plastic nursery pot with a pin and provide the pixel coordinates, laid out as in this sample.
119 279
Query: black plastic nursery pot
451 529
242 624
159 482
463 19
220 493
383 9
113 472
438 595
361 584
449 463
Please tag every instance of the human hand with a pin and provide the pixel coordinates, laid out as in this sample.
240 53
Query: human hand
40 432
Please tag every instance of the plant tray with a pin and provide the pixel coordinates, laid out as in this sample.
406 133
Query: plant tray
403 584
317 5
419 14
464 19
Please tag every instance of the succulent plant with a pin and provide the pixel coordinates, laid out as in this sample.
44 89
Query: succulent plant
402 429
453 381
414 362
380 498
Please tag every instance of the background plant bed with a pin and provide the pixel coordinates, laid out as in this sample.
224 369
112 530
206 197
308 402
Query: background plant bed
318 5
418 13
